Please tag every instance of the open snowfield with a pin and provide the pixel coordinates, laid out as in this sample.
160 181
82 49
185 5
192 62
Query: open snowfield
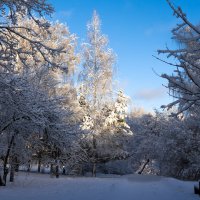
130 187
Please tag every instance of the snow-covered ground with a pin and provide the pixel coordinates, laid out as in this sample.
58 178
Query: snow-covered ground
129 187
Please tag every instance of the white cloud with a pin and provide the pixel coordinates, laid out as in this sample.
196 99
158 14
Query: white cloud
150 94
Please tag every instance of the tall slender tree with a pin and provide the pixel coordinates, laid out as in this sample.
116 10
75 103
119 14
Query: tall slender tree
102 114
98 65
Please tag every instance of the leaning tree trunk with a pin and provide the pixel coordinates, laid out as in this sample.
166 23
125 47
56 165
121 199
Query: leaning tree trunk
143 167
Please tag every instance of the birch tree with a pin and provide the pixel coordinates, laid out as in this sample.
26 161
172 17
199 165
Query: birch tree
102 115
98 65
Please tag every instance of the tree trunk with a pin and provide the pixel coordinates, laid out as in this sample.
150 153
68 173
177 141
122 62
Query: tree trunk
51 169
143 167
64 170
95 156
94 170
39 165
1 181
29 166
5 168
17 165
13 168
57 171
12 172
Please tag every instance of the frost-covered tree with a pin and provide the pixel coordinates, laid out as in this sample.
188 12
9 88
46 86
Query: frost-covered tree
98 64
165 145
184 83
23 111
96 79
33 105
9 34
30 117
104 119
11 11
57 37
106 138
116 117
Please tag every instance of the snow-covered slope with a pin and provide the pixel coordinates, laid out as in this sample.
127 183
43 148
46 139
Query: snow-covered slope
130 187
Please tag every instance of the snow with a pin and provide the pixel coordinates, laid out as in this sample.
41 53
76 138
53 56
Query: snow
128 187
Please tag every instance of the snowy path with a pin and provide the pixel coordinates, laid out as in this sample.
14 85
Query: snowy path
132 187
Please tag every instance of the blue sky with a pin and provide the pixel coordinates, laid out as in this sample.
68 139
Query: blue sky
136 29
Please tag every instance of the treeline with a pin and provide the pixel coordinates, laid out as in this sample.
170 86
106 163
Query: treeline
47 119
